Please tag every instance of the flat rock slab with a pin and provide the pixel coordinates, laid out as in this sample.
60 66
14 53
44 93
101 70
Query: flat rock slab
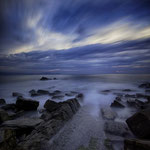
116 128
136 144
23 122
108 113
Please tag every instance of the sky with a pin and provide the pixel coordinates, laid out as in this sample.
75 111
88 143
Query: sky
74 36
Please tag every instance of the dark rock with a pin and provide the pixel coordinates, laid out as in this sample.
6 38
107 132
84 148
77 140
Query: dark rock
42 92
2 101
136 144
54 78
3 116
131 102
22 123
9 107
116 128
126 90
58 97
139 124
44 78
118 98
117 104
26 104
106 91
108 113
57 92
139 95
16 94
130 96
33 93
147 91
145 85
51 105
80 97
47 129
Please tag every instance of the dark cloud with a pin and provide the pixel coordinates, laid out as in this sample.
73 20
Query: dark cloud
126 57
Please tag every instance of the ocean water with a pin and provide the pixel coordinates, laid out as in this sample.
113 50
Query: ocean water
88 122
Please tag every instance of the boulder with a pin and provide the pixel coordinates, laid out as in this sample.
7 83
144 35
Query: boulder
130 96
131 102
3 116
117 104
118 98
2 101
136 144
80 97
139 124
51 105
144 85
58 97
44 78
26 104
108 113
16 94
116 128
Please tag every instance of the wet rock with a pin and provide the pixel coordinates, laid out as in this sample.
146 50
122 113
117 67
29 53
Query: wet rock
42 92
16 94
44 78
33 93
117 104
118 98
131 102
80 97
26 104
58 97
147 91
9 141
144 85
47 129
116 128
106 91
2 101
139 95
139 124
22 123
126 90
9 107
54 78
130 96
108 144
3 116
108 113
51 105
136 144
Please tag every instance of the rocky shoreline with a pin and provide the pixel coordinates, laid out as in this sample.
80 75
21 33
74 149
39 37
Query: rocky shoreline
19 131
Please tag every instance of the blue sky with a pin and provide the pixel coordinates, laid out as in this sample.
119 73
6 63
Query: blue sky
74 36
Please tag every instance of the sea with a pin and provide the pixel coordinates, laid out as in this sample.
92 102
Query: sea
88 123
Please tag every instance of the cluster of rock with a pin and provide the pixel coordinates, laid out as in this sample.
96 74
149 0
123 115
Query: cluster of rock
18 132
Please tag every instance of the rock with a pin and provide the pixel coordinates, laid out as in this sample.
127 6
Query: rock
106 91
118 98
42 92
147 91
26 104
3 116
126 90
16 94
51 105
136 144
116 128
9 107
145 85
58 97
131 102
54 78
130 96
44 78
80 97
48 128
9 141
2 101
139 95
33 93
117 104
108 113
22 123
139 124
